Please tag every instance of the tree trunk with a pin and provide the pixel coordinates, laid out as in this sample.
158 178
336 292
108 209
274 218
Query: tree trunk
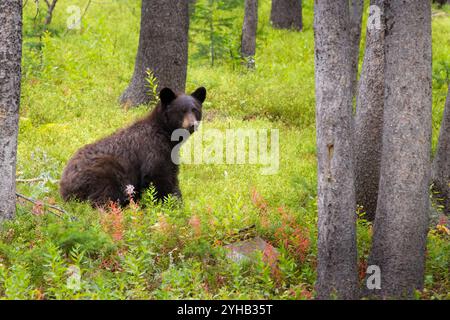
163 49
401 221
369 114
248 44
442 2
287 14
441 164
356 11
337 256
10 75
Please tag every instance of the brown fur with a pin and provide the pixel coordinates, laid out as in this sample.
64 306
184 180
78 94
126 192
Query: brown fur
139 155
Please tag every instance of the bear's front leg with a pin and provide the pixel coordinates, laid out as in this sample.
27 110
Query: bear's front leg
177 192
164 184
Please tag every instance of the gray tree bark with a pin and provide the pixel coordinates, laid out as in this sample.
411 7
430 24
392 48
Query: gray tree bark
10 75
163 49
356 12
248 43
441 163
337 255
369 114
287 14
401 221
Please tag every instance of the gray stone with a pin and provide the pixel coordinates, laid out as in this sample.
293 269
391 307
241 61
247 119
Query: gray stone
245 250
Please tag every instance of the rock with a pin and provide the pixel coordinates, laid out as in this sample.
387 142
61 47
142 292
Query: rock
245 250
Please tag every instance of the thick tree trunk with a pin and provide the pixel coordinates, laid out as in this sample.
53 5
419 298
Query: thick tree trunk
369 114
441 163
356 12
337 256
163 49
248 43
10 75
287 14
401 221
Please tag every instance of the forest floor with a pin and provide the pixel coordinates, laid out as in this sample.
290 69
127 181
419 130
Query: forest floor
72 80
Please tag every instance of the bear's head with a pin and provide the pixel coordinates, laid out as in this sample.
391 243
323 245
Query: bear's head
182 111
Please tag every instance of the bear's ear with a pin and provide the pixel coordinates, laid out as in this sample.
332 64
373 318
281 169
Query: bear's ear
200 94
167 96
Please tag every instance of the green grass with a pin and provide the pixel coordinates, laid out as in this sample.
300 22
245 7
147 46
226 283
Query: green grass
71 85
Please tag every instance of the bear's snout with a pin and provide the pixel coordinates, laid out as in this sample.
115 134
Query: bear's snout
190 122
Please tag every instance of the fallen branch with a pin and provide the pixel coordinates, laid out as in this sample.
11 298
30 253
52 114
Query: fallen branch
439 13
30 180
49 206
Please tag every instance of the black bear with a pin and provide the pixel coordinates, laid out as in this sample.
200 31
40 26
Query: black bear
136 156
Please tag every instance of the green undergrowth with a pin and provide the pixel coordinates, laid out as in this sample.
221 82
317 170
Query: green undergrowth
71 84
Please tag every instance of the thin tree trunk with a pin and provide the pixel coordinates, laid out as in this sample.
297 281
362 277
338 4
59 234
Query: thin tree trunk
10 75
369 114
356 11
337 256
248 44
442 2
287 14
441 163
163 49
401 221
50 7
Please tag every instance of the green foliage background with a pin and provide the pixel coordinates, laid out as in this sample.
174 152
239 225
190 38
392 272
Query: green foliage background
71 84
